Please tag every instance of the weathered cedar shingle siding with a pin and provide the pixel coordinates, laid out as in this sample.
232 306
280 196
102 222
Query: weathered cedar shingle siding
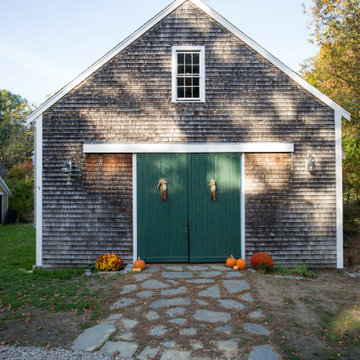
247 99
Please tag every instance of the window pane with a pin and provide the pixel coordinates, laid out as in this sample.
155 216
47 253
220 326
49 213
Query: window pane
180 58
196 59
188 69
188 59
188 81
180 92
181 69
195 69
196 92
180 81
196 81
188 92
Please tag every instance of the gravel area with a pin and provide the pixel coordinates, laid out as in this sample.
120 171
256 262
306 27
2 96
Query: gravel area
36 353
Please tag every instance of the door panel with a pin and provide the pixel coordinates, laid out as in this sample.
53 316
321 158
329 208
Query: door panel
162 229
215 225
188 226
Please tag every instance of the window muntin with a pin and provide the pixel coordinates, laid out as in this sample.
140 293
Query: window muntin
188 74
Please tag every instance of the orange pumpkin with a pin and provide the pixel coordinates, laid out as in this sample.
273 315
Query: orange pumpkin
231 261
139 264
241 264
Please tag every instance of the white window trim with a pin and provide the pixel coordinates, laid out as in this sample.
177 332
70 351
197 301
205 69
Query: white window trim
201 50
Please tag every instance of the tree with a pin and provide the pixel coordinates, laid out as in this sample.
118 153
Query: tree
335 70
16 138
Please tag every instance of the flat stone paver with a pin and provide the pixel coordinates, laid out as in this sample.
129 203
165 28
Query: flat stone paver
178 321
263 352
220 267
175 354
233 286
128 324
177 275
94 337
210 273
256 314
123 348
128 336
177 291
170 344
142 276
213 292
234 274
114 317
231 304
148 353
154 284
196 345
174 268
256 329
152 269
211 316
145 294
188 331
226 329
123 302
247 297
152 315
196 267
158 330
176 311
229 348
128 288
202 302
200 281
170 302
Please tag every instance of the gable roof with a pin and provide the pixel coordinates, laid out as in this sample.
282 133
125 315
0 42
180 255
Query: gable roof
157 18
4 186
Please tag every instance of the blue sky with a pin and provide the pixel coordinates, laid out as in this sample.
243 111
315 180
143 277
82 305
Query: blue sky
45 44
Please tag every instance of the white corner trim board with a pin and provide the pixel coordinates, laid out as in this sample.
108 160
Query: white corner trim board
38 189
134 184
242 207
152 22
244 147
339 193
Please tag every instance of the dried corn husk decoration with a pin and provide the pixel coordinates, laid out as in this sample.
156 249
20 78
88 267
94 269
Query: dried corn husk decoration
213 189
162 185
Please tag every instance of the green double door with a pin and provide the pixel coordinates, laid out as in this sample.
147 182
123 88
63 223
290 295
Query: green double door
188 226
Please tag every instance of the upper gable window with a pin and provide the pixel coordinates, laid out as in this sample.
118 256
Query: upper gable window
188 77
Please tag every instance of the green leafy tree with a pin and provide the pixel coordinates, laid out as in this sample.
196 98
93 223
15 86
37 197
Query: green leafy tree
16 138
335 70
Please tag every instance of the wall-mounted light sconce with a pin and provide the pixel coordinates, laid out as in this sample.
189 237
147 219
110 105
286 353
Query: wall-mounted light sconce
67 167
311 164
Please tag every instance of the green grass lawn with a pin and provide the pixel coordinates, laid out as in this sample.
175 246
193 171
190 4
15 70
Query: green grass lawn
55 290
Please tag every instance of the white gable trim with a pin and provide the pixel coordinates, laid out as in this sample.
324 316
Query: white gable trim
243 147
4 186
217 17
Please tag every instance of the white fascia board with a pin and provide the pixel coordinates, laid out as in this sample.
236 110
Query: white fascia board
147 26
5 187
103 60
245 147
339 193
292 74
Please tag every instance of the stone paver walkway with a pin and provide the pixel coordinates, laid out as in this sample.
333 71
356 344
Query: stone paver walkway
183 312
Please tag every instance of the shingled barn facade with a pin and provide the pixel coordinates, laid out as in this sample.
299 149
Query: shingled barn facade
190 99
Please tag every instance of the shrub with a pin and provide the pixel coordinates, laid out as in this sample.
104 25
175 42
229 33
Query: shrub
262 260
109 262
